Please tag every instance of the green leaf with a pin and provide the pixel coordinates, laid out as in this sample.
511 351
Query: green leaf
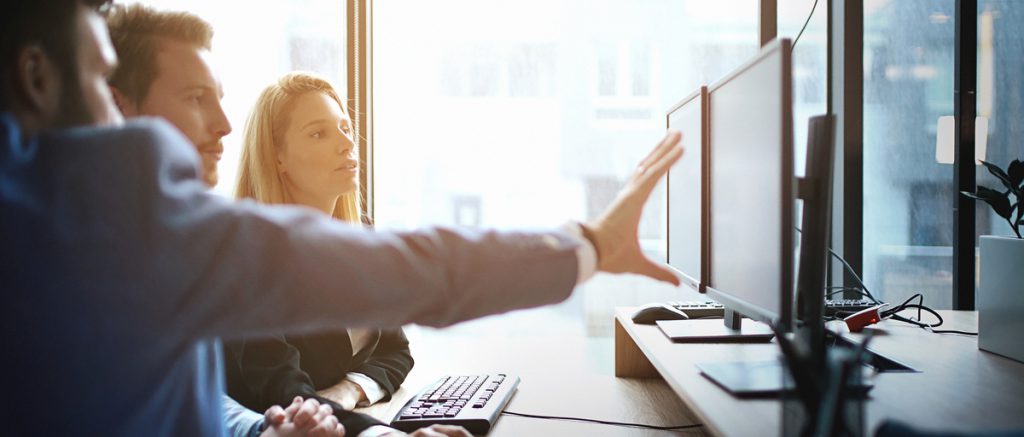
1001 175
1016 172
1000 202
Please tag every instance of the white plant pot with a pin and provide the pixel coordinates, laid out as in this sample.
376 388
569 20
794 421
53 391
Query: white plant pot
1001 297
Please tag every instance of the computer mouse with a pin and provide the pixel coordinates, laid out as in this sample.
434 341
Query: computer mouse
652 313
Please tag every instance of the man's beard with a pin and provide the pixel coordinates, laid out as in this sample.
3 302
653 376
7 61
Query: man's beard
73 110
210 174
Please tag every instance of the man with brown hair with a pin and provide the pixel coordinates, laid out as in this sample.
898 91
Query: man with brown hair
164 71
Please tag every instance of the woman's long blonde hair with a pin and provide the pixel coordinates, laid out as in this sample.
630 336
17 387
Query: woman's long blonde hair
258 175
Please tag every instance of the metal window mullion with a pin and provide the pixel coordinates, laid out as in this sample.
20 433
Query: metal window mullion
360 91
768 21
964 112
846 101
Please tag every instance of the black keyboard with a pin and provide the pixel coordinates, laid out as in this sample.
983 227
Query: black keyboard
470 401
700 309
846 306
710 308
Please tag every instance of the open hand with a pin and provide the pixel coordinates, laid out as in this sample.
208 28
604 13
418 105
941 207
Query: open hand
615 231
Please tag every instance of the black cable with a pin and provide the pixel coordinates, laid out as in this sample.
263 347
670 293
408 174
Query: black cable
849 270
952 331
860 281
813 7
605 422
894 314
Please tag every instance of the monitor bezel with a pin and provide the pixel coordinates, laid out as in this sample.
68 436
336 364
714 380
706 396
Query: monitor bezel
784 318
698 284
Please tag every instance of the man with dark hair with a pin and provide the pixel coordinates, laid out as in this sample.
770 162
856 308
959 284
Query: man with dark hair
54 62
56 59
116 262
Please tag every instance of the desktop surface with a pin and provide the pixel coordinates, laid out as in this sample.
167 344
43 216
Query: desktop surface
958 388
562 372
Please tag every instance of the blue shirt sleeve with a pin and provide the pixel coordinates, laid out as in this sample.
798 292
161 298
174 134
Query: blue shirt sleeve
241 421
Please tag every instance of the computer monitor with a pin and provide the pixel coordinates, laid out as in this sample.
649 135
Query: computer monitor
752 189
765 378
748 202
816 191
687 192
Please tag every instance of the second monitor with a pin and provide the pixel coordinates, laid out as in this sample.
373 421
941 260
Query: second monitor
686 191
748 205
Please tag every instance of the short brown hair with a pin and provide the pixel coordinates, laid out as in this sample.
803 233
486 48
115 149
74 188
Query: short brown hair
137 31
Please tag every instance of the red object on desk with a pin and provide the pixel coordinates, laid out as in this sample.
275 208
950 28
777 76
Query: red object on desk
862 318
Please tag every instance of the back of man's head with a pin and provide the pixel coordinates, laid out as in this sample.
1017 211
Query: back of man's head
49 25
137 32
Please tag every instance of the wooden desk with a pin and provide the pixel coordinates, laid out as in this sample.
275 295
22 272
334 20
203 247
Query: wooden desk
562 375
959 388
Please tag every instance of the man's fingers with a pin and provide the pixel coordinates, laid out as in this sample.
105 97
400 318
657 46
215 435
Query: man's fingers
328 427
643 185
323 413
274 415
671 138
426 432
657 271
290 411
304 416
658 168
451 431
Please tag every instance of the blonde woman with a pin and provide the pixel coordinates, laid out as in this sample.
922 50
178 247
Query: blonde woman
298 149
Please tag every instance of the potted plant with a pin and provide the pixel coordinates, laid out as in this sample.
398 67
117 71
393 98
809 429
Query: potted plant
1000 297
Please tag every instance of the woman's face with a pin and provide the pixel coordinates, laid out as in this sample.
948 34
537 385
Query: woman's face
318 158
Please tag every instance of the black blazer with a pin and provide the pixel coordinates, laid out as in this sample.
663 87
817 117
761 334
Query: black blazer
272 371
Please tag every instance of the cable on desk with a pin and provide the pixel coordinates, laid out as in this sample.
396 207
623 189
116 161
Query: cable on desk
605 422
919 306
892 313
863 288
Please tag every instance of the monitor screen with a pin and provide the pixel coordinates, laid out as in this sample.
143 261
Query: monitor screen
752 187
685 182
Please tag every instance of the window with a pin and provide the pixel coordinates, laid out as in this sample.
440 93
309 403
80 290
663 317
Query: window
255 43
513 114
908 194
809 66
1000 95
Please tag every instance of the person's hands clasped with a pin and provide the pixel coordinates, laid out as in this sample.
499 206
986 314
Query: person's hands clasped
615 231
302 418
434 431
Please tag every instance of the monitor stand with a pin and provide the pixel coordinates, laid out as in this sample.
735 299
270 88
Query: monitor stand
733 330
